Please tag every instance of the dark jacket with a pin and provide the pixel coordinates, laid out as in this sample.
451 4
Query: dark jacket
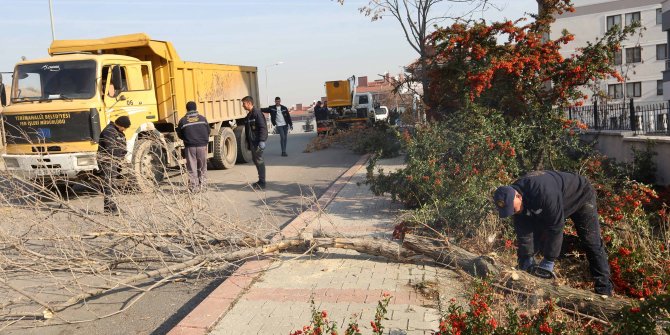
112 145
256 128
3 96
549 198
273 114
321 113
193 129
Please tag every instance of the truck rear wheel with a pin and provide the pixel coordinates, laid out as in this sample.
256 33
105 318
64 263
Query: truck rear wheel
225 149
243 151
148 165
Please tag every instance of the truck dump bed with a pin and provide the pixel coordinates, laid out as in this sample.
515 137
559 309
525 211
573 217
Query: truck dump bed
339 93
217 89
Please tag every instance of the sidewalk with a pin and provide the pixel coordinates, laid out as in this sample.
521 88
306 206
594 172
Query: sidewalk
342 282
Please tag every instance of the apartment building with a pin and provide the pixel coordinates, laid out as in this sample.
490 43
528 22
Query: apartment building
642 58
665 19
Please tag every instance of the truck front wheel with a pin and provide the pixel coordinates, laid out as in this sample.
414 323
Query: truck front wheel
243 151
148 164
225 149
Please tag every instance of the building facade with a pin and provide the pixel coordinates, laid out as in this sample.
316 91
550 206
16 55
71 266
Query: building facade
665 19
642 57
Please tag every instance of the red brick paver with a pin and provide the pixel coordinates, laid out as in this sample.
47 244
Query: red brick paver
215 306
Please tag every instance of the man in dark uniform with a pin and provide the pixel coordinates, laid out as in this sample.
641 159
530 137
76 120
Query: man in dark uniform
3 94
256 129
111 152
194 130
540 203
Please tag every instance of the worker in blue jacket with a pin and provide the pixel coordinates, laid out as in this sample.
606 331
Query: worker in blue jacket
112 150
540 202
194 130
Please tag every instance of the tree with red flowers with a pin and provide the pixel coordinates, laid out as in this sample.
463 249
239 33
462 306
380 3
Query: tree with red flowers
473 66
513 67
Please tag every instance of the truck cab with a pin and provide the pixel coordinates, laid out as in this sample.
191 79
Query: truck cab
60 105
364 105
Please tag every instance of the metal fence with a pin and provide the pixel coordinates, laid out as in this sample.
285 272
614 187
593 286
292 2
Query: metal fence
651 119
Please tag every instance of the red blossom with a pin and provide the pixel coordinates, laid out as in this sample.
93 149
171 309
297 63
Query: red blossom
545 328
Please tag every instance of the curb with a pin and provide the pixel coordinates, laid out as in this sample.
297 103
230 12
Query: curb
212 309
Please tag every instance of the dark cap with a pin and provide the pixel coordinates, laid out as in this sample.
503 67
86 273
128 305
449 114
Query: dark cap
191 106
503 198
123 121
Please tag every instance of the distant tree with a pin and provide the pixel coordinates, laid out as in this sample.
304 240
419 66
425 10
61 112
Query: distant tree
418 19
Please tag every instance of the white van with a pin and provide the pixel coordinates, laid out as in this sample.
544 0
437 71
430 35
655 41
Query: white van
381 113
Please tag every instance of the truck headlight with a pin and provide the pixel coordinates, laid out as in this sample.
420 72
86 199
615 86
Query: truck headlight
85 160
12 163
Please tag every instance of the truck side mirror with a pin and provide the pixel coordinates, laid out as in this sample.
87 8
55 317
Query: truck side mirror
117 80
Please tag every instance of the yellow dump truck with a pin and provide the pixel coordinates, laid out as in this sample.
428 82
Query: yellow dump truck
351 108
60 104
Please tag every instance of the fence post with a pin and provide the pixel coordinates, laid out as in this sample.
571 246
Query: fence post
633 125
569 113
595 115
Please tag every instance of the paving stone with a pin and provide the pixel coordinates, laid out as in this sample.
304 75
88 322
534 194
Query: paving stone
342 282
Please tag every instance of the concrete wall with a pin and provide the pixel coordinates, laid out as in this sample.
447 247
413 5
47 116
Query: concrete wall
619 146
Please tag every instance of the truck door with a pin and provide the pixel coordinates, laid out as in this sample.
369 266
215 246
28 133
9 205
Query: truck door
129 92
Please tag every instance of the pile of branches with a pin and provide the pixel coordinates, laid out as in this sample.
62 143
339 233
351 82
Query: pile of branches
57 250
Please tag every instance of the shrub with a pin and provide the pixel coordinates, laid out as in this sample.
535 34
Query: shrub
452 173
381 139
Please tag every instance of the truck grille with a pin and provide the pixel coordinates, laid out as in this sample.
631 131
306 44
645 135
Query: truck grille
41 128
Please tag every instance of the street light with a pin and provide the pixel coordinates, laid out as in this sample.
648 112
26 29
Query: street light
267 96
51 16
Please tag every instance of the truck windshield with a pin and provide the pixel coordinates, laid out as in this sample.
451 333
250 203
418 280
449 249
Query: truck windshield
54 80
380 111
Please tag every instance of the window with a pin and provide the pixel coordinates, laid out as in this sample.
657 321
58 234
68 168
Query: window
632 17
146 78
659 87
138 77
55 80
613 20
363 99
615 91
633 55
118 76
617 57
661 51
634 90
659 16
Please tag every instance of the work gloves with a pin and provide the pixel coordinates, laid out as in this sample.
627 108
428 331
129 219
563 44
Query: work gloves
261 145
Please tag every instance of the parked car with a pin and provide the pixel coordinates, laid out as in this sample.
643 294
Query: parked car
381 113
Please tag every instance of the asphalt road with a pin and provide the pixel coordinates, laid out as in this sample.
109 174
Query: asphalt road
291 181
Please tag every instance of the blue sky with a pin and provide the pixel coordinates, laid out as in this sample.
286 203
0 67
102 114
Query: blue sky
317 40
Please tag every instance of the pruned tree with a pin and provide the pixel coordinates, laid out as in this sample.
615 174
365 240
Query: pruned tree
417 18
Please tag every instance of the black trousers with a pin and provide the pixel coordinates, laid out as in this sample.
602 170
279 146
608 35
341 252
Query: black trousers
110 173
588 231
257 158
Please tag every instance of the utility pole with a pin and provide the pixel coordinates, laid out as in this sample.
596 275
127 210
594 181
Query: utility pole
51 16
267 95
